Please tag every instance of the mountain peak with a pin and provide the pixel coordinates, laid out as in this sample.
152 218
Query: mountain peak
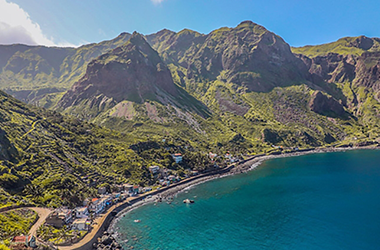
247 23
133 71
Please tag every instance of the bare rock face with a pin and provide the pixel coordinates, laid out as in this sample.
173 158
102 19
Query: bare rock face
363 42
368 70
325 105
133 72
248 55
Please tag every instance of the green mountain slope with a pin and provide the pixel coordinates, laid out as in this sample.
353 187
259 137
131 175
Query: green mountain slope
36 74
54 160
344 46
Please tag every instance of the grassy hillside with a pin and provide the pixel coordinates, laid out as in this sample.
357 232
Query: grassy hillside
344 46
53 160
37 74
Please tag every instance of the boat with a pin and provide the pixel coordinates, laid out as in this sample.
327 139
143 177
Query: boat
188 201
137 221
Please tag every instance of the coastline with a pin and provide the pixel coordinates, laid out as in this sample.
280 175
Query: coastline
105 224
233 169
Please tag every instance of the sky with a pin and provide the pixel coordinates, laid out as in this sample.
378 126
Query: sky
77 22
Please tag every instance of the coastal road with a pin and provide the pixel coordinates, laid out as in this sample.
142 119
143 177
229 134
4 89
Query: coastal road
43 213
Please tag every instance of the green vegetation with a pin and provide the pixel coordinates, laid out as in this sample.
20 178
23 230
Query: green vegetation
58 236
344 46
37 74
16 222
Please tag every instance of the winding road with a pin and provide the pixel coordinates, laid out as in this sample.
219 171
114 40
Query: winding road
43 213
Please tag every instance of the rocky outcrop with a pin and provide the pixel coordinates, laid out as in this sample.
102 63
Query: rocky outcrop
368 70
247 55
132 72
107 242
326 105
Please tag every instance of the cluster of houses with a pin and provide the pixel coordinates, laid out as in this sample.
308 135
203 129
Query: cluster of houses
80 218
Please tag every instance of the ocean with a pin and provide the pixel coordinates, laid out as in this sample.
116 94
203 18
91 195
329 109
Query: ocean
317 201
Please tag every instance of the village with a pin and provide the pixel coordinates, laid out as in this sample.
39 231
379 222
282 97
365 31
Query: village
83 219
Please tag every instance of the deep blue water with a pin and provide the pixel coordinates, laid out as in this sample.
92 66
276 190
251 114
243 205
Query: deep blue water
320 201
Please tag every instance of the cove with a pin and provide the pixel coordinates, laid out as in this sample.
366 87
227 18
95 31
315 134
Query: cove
317 201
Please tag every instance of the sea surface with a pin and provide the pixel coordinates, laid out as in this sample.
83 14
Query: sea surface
318 201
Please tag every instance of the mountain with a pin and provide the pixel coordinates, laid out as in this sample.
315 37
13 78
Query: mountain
351 65
240 88
248 55
247 90
128 83
37 74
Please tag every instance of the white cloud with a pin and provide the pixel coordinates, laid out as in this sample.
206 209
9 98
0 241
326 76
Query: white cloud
17 27
157 1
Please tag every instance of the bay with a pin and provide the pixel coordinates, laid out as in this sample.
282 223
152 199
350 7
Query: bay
316 201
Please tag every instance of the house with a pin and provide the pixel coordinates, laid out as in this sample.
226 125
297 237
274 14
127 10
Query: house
194 173
82 224
60 217
128 188
86 202
172 178
97 206
177 157
154 169
82 212
136 189
212 155
23 242
102 190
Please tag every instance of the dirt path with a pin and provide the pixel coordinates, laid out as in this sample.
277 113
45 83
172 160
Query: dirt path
43 213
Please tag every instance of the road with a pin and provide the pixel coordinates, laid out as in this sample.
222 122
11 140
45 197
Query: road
43 213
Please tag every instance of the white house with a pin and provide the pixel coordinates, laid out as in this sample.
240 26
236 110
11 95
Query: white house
82 212
81 224
97 205
177 157
154 169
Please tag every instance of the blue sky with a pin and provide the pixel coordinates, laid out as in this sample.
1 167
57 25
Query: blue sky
75 22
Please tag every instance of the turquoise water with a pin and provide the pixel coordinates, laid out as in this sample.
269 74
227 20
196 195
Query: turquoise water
320 201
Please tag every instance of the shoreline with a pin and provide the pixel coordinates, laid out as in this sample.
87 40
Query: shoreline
105 224
233 169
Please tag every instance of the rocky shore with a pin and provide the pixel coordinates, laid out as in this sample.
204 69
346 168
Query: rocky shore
107 242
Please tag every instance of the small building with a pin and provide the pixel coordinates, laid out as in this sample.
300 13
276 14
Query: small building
97 206
177 157
116 195
212 155
128 188
194 173
172 178
81 224
136 189
86 202
154 169
82 212
23 242
60 217
102 190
